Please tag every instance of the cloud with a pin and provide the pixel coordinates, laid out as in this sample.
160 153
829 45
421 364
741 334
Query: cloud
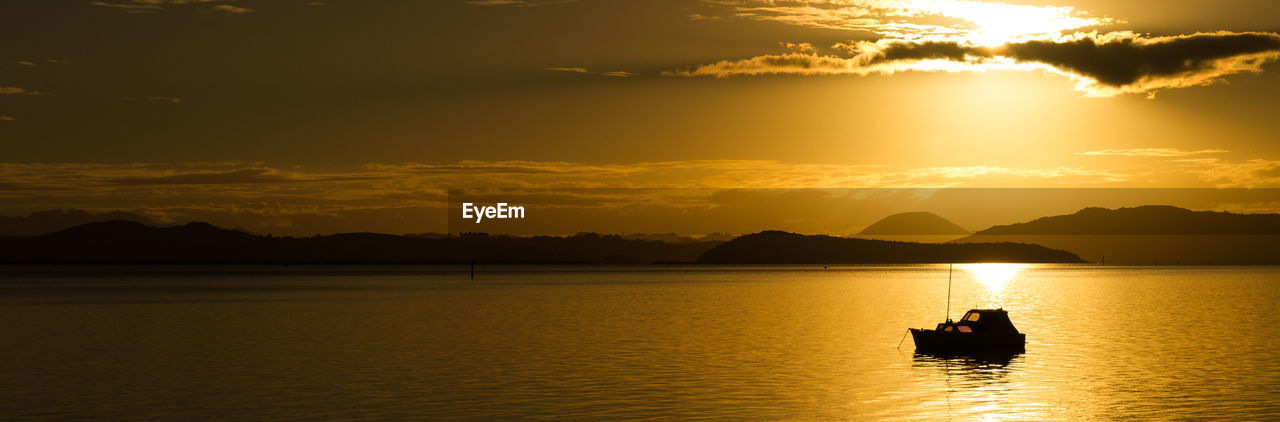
802 48
1124 62
232 9
7 119
568 69
1152 152
250 175
25 63
582 70
170 100
137 7
1102 64
517 3
102 179
1254 173
153 6
13 90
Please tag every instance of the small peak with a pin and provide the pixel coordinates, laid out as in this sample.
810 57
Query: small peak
200 225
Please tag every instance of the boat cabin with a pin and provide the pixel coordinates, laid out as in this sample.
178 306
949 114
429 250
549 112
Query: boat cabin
981 321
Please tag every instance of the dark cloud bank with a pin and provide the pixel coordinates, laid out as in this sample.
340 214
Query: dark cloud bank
1111 63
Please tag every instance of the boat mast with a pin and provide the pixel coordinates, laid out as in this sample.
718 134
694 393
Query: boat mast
949 268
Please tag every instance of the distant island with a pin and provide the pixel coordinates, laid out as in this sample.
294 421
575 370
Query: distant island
49 221
913 224
1155 234
128 242
1148 219
778 247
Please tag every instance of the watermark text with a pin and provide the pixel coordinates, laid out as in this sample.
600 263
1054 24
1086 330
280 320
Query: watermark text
499 211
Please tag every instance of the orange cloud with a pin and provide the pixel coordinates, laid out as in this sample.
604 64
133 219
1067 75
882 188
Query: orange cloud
1152 152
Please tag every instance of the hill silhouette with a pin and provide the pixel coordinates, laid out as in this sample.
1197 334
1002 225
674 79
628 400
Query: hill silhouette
1148 219
1155 234
778 247
201 243
914 223
42 222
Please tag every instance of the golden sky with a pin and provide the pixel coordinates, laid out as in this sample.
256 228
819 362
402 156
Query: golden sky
265 114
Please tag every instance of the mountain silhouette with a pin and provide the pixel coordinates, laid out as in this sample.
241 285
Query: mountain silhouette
1154 234
778 247
914 223
1148 219
42 222
119 242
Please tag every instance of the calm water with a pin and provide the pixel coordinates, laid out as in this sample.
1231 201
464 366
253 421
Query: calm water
592 343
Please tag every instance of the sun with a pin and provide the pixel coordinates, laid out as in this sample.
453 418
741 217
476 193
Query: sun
998 23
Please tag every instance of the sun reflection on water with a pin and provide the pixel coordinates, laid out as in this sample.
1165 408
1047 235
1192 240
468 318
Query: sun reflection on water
993 276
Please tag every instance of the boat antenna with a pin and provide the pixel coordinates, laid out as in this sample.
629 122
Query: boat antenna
949 268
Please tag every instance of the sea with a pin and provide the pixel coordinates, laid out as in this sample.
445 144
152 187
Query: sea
678 342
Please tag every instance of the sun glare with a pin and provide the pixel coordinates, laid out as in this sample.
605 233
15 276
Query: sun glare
993 276
998 23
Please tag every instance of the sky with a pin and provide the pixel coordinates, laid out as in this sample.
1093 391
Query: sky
303 117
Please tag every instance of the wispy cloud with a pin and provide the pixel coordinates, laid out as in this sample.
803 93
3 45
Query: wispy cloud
1102 64
517 3
100 178
7 119
801 48
568 69
1152 152
26 63
157 99
232 9
137 7
1254 173
154 6
13 90
585 71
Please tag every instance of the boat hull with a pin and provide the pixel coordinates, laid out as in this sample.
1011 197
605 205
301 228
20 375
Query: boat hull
952 342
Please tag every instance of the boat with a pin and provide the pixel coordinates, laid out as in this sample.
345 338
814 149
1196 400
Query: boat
980 330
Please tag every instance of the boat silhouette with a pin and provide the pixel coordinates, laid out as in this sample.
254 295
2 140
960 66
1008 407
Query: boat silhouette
980 330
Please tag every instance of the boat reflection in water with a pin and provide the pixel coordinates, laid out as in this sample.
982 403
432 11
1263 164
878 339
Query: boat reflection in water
988 364
976 386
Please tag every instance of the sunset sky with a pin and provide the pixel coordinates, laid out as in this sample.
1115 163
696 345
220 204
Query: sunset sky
302 117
